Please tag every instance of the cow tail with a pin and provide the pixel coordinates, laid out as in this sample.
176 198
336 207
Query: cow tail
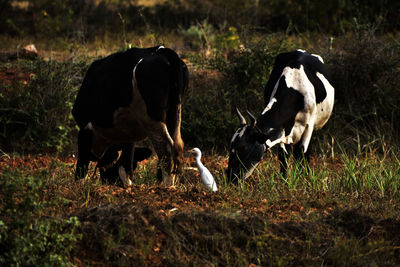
179 73
178 86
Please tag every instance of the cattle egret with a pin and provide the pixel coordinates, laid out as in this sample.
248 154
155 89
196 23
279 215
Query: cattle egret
205 175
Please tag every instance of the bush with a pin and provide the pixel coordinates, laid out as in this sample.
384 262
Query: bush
35 113
246 71
27 237
235 80
199 36
366 76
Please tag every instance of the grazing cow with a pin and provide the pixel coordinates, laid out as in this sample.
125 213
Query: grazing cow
125 98
299 98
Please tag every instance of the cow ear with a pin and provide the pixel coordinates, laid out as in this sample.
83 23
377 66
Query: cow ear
252 119
261 138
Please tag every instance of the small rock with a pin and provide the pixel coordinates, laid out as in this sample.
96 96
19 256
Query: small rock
28 52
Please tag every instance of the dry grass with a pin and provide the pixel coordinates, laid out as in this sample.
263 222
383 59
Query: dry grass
263 221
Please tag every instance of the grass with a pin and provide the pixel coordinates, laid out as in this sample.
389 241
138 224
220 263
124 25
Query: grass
340 211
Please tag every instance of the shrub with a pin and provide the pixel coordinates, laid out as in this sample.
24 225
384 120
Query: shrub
35 113
27 237
199 36
234 80
246 71
366 74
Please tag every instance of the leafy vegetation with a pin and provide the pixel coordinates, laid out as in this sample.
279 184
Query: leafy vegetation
87 19
341 210
36 108
366 75
29 234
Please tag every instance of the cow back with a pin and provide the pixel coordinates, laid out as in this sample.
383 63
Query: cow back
106 87
312 64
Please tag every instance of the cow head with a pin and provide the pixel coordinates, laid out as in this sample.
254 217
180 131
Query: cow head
246 149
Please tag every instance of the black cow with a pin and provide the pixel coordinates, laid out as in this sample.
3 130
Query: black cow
125 98
299 98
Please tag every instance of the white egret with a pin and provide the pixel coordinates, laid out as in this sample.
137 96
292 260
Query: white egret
205 175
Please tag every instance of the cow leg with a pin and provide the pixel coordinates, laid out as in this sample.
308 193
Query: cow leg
163 145
125 167
108 165
119 156
300 156
85 139
298 152
119 164
283 157
174 127
301 149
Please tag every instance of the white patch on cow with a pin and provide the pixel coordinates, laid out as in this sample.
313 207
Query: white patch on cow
89 126
160 47
303 128
313 116
281 139
270 143
274 91
134 69
315 55
295 78
319 57
134 81
305 141
239 133
305 118
324 109
269 106
282 145
298 80
124 177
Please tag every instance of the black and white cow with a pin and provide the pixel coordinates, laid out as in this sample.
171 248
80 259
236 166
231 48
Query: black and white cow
299 99
125 98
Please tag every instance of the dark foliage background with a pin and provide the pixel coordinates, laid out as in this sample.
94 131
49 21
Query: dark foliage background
86 19
230 47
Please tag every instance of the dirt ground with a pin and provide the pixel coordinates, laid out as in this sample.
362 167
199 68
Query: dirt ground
156 225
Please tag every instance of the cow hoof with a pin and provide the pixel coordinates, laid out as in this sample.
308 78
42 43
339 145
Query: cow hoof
124 177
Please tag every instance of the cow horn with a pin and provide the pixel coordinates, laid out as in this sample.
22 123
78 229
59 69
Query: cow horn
241 118
252 119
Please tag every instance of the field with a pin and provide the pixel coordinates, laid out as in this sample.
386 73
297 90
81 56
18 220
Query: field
341 210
